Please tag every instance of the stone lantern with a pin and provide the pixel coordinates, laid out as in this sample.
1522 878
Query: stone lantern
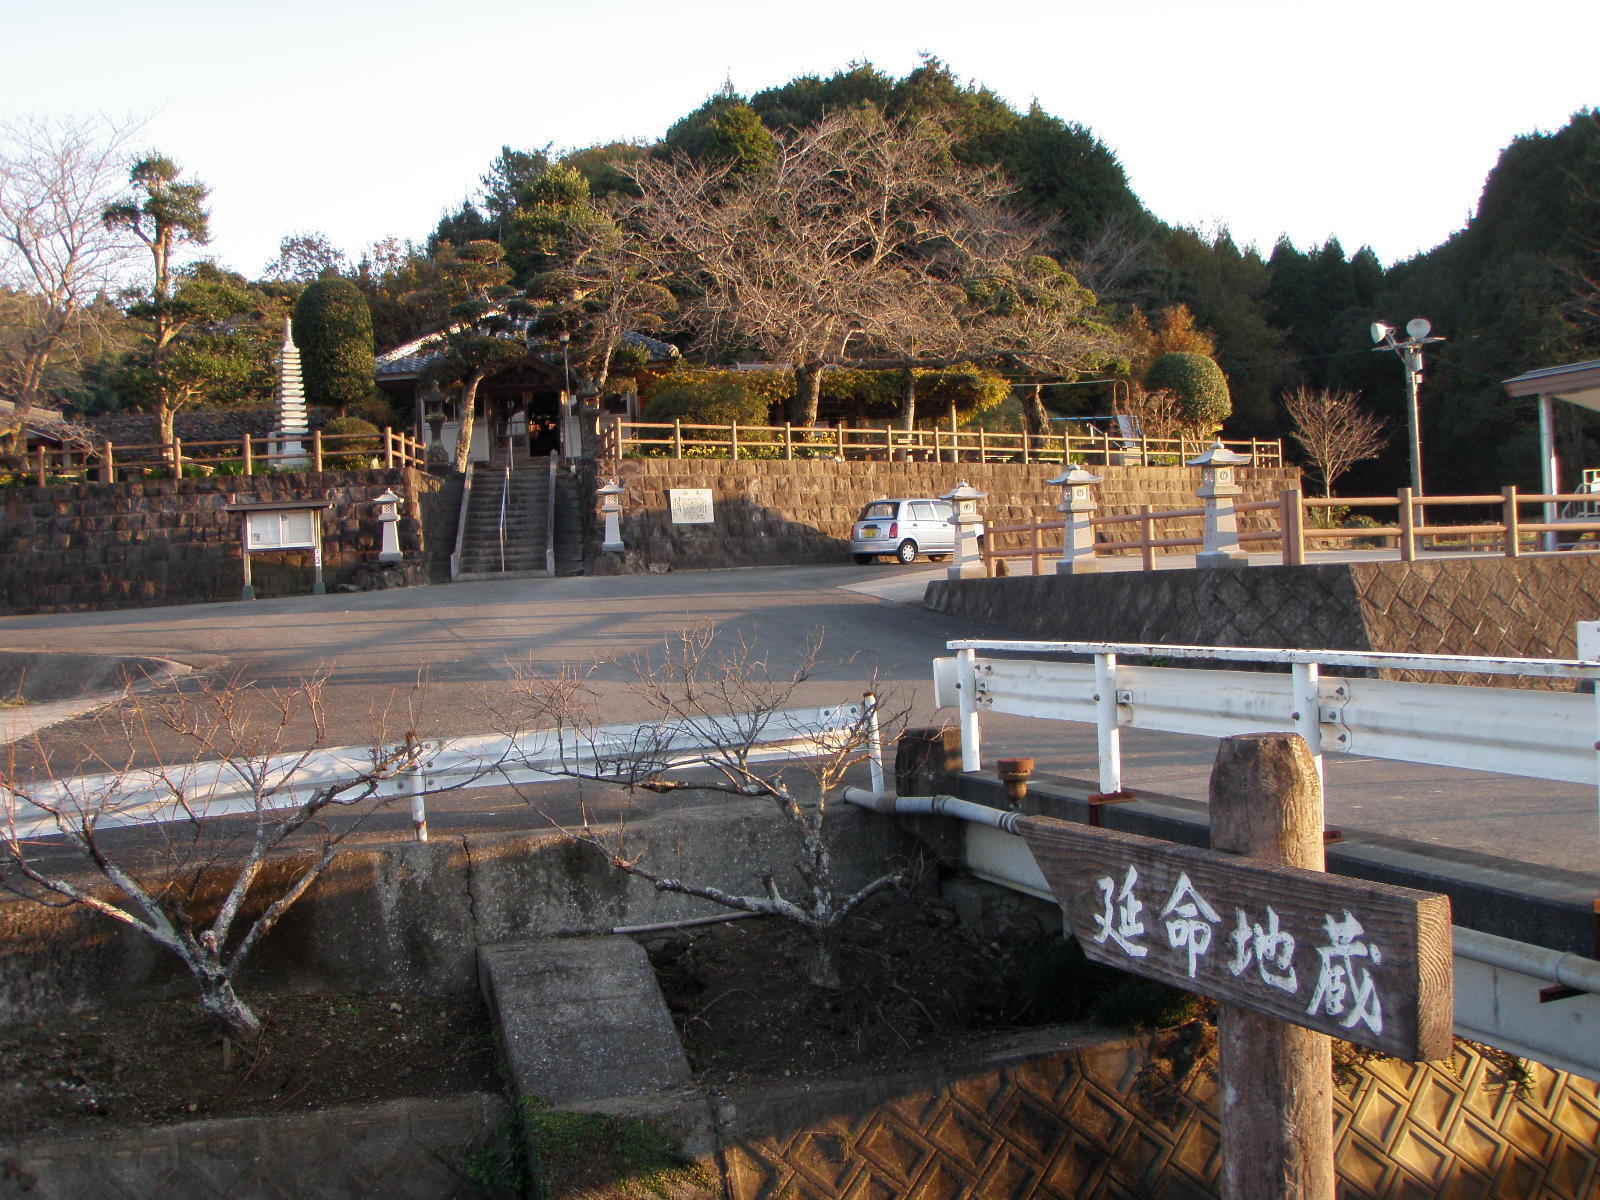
1077 538
611 509
967 561
388 506
1217 488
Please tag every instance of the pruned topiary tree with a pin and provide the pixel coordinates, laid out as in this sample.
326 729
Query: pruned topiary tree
1198 386
333 329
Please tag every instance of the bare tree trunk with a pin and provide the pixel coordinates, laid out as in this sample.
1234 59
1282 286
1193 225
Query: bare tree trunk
1033 411
908 401
218 998
469 401
808 393
824 968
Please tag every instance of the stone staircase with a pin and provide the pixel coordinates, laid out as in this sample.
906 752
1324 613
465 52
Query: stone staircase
526 501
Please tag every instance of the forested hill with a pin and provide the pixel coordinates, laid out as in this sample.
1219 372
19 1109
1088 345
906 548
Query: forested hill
998 314
1516 289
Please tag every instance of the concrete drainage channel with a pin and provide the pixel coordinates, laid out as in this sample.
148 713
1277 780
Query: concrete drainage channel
1054 1112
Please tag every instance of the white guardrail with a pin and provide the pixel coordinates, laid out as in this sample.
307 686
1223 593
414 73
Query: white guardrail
215 789
1510 731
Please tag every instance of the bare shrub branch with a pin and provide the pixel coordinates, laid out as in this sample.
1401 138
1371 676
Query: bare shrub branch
210 820
715 707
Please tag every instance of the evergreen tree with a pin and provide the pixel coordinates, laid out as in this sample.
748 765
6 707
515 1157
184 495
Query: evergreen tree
333 329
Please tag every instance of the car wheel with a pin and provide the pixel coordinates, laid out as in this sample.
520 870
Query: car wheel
862 559
907 551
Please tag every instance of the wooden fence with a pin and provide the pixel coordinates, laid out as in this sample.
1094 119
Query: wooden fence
107 462
1292 530
678 439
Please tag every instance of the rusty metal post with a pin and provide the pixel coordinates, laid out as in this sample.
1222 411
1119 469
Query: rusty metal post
1015 773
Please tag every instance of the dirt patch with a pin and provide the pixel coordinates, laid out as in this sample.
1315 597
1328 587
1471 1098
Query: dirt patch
914 983
162 1062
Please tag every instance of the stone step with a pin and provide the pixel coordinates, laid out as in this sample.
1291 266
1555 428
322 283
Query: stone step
580 1019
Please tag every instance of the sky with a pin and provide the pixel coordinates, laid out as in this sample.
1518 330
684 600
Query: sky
1375 124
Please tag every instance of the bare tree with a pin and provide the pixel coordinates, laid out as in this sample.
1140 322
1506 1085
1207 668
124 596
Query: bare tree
856 242
1155 414
1334 431
210 817
56 255
725 700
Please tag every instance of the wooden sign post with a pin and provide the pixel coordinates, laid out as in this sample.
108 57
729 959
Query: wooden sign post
1291 954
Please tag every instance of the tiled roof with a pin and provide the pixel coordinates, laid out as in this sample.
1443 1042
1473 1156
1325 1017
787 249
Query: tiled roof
48 425
406 360
197 425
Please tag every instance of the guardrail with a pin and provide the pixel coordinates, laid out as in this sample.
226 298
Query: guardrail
215 788
1295 533
620 438
1536 734
106 462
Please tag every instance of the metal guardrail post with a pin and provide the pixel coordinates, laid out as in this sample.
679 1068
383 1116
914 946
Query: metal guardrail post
1108 733
967 683
1306 679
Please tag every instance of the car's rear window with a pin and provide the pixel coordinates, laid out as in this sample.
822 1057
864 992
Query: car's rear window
881 511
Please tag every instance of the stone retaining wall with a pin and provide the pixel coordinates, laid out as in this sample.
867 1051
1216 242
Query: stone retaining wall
1522 607
771 511
169 541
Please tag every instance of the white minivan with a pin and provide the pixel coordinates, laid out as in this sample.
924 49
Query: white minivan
904 528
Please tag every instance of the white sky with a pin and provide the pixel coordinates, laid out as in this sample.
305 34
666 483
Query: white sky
1374 123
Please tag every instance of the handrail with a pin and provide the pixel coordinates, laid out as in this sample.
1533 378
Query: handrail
505 493
550 517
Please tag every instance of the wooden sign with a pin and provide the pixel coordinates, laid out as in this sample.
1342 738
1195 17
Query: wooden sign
1365 962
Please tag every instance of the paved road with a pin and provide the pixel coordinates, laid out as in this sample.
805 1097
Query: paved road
467 638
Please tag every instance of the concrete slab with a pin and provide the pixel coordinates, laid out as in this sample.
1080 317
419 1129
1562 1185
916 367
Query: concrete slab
581 1019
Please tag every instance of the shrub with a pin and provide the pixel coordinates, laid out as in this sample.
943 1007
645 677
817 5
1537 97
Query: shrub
355 454
1198 386
711 398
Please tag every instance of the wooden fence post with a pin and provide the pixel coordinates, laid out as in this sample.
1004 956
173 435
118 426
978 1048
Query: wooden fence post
733 441
1276 1078
388 449
677 437
788 442
1408 526
1513 539
1147 533
1293 524
316 450
108 463
249 459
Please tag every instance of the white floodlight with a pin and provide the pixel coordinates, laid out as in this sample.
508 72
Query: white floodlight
1418 328
1381 331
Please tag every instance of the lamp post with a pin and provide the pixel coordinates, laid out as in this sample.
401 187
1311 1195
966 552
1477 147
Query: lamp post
566 371
1410 352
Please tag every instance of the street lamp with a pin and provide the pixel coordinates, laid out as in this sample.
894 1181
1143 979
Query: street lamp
1410 352
566 371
